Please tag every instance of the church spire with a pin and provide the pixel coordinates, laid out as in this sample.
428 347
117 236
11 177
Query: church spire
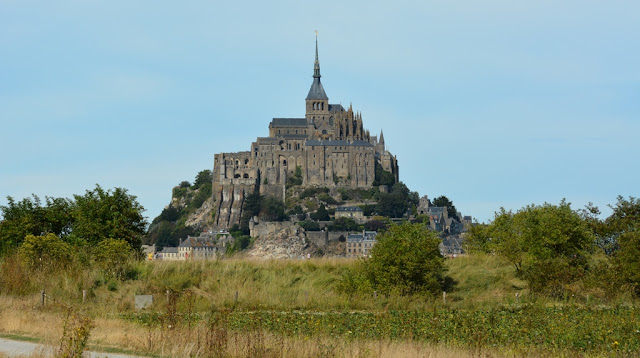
316 64
316 92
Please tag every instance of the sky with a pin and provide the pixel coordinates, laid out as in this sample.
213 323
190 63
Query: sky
497 103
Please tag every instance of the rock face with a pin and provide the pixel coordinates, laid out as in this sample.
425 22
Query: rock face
284 242
200 218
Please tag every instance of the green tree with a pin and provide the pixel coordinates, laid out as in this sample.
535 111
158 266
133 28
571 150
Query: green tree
114 256
396 203
103 214
272 209
345 224
202 178
383 177
47 252
30 217
321 214
406 260
296 178
443 201
549 245
622 228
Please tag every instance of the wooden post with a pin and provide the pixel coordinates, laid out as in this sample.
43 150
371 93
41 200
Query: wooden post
375 295
84 296
168 296
444 296
42 295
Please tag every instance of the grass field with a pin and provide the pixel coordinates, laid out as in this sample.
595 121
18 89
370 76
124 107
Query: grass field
294 309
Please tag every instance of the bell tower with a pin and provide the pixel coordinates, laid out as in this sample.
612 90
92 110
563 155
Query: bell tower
317 102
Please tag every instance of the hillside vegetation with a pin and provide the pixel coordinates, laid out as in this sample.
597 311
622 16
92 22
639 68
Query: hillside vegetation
295 299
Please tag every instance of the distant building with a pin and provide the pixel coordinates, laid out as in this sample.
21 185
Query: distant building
353 212
328 147
206 246
169 253
359 245
452 246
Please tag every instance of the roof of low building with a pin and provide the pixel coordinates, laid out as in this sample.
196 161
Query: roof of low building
348 208
344 143
169 250
288 122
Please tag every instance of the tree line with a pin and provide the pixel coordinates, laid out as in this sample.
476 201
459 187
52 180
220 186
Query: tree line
100 226
559 250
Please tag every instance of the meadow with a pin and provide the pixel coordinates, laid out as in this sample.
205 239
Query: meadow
295 308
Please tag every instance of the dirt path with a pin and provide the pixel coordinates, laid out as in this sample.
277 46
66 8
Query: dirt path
20 348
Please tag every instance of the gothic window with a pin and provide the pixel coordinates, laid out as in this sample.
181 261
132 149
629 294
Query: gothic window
237 176
246 176
246 161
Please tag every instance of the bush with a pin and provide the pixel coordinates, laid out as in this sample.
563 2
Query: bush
311 192
345 224
47 252
113 257
309 225
405 260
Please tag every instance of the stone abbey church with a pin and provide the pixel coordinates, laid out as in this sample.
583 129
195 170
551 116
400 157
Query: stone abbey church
329 144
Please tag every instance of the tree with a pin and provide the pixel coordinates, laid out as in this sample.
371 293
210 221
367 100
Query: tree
47 252
108 214
202 178
382 177
296 178
30 217
272 209
113 256
345 224
396 203
406 260
549 245
321 214
622 228
443 201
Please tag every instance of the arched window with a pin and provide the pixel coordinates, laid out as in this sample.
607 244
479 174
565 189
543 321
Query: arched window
246 176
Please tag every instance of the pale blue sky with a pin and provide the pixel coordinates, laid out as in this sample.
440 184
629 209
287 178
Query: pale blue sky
492 103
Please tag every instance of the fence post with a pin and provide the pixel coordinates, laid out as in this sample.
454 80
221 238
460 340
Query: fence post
444 296
375 295
168 298
84 296
42 295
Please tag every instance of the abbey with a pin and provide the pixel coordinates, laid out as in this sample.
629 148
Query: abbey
330 146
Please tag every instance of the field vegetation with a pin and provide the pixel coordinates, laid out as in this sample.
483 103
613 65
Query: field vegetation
546 280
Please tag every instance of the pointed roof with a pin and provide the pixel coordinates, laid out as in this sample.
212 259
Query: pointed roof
381 137
316 91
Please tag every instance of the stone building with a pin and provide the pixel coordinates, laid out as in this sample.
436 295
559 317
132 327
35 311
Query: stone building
329 144
359 245
351 212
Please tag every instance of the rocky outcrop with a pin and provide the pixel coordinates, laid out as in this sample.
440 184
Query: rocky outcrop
284 242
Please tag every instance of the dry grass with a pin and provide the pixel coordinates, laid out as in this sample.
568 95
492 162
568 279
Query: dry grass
21 317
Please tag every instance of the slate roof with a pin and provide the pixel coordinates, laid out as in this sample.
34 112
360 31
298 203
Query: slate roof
336 108
288 122
356 143
348 208
197 242
267 140
169 250
317 91
368 236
